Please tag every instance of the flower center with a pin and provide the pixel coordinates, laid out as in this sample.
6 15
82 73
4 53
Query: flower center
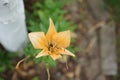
51 47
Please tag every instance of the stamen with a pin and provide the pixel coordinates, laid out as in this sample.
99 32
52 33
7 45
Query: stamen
50 47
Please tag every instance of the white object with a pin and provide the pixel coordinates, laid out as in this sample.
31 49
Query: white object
13 33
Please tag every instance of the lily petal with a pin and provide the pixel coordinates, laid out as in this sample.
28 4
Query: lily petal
38 40
51 31
55 56
42 53
67 52
62 39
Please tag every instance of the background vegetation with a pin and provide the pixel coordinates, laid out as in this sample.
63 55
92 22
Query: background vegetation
38 13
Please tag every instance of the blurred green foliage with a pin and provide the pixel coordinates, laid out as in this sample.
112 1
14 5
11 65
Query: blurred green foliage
6 62
1 78
35 78
114 8
38 19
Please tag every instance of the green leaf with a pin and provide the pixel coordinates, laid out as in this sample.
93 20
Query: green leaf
2 68
47 60
36 78
1 78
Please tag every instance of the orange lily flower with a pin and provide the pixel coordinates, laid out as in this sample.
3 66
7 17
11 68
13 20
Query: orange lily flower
52 44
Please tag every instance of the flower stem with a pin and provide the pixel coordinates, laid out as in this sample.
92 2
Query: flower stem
18 64
48 72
